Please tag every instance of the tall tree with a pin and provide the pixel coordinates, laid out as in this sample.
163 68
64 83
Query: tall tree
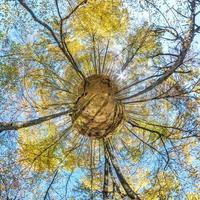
99 99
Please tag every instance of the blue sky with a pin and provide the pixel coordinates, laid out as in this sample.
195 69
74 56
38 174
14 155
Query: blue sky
14 35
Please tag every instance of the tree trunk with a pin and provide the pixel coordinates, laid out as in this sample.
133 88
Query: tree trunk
18 125
106 173
120 176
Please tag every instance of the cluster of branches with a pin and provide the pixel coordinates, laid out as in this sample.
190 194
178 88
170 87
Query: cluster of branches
178 60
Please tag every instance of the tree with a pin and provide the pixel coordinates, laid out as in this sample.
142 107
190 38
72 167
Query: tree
98 102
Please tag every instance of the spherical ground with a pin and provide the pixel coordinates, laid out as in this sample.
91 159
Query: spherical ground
97 113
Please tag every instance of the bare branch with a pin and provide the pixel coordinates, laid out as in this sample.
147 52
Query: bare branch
106 172
54 177
74 10
120 176
64 48
18 125
183 52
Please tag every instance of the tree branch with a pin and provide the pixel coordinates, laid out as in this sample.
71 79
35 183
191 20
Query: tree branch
183 52
74 10
59 43
55 174
120 176
18 125
106 173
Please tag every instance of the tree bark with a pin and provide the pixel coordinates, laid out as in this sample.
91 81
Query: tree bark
106 173
61 44
133 195
18 125
180 58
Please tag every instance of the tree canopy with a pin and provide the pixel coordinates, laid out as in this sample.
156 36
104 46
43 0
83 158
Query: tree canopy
99 99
